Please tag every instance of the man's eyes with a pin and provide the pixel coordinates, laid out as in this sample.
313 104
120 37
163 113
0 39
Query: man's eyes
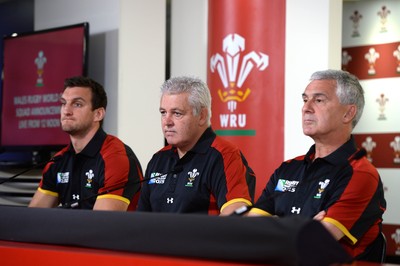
317 100
75 104
177 114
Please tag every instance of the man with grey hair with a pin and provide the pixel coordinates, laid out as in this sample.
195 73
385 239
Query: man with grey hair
197 172
334 182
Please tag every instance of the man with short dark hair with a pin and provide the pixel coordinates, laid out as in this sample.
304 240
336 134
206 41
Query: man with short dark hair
96 170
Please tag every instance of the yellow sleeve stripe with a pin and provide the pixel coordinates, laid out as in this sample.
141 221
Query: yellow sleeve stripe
260 212
247 202
48 192
341 228
112 196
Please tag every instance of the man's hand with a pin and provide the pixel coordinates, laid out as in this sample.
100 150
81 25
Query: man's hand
336 232
320 216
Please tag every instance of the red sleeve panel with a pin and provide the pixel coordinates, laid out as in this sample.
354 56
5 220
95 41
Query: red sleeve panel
235 169
359 208
121 169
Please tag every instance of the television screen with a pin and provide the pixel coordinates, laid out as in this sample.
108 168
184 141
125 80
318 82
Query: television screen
35 67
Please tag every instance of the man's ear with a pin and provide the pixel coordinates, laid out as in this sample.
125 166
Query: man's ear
350 114
99 114
203 116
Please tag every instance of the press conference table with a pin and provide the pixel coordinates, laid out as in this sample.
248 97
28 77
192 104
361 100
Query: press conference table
30 236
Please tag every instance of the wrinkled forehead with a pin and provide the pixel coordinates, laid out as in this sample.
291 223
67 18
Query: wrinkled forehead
175 101
325 87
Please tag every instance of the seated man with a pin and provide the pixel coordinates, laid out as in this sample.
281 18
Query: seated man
198 172
334 182
96 170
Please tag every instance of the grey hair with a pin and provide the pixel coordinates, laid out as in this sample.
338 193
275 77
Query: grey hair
348 89
199 93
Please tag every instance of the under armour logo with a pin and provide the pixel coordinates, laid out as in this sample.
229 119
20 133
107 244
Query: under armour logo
170 200
75 197
296 210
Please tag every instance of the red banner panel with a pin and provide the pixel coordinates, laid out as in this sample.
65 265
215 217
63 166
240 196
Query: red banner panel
383 150
372 61
246 55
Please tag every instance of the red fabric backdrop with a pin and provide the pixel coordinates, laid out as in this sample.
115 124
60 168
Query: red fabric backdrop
246 55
